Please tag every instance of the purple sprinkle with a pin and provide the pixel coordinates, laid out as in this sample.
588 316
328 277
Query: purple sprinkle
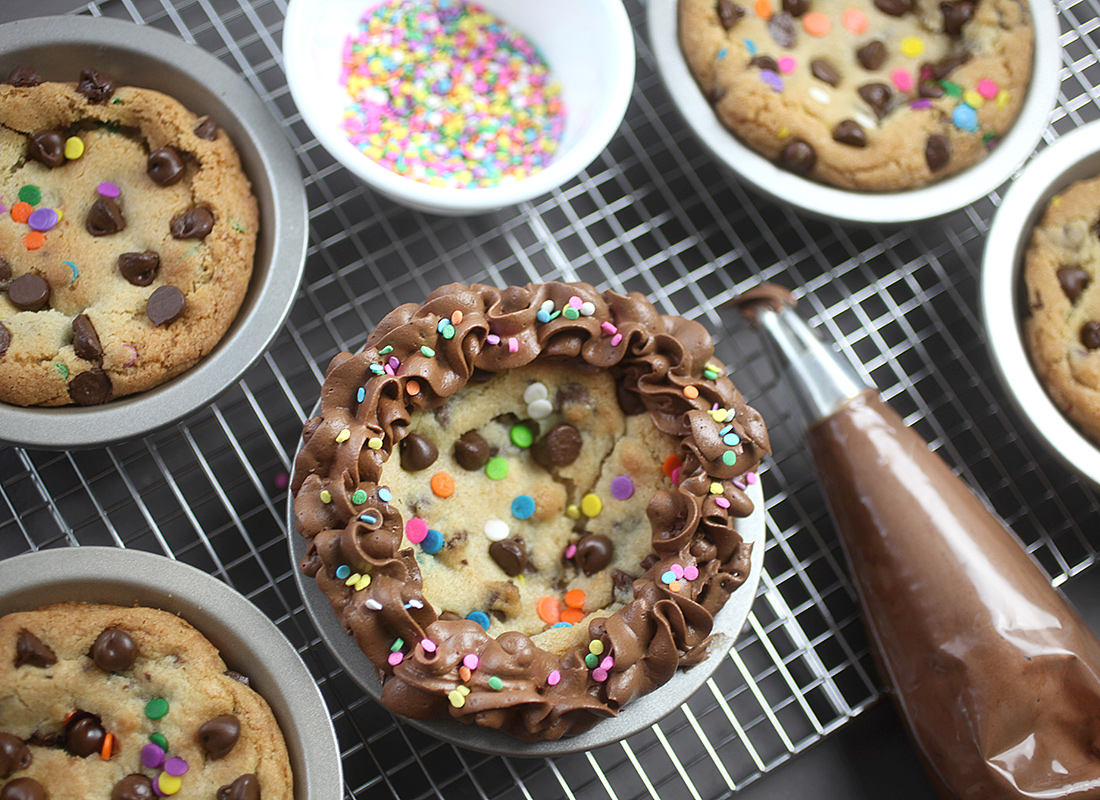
42 219
738 484
152 756
492 338
394 362
920 103
156 789
622 488
176 766
772 79
108 189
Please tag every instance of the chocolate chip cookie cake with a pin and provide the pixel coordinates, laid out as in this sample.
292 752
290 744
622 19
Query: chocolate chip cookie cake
522 503
127 236
871 95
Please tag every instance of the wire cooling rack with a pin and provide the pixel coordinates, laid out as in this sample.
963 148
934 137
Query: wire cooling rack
652 214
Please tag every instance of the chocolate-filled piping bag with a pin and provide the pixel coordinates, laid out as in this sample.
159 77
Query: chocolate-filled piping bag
994 674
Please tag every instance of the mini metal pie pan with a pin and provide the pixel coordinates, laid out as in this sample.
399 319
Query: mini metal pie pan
58 48
249 642
936 199
640 714
1073 157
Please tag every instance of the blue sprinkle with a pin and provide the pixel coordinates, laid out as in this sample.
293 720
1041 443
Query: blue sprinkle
725 430
561 625
523 507
731 439
343 571
361 394
377 369
542 316
370 519
965 118
443 323
750 47
480 617
384 494
76 272
723 53
433 542
668 577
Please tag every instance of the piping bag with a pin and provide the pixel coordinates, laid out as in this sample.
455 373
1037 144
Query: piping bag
994 674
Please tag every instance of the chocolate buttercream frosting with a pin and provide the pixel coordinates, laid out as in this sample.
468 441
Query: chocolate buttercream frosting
342 506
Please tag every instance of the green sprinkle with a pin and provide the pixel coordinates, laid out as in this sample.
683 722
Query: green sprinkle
427 351
62 369
555 315
237 226
159 740
117 102
496 684
591 660
359 497
571 313
988 137
952 89
386 350
729 458
449 332
398 643
497 468
710 374
30 194
156 708
521 436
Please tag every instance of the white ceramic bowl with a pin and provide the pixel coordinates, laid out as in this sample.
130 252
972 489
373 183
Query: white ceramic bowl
1004 299
934 200
588 45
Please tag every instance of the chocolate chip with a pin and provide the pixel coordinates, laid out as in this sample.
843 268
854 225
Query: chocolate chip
594 553
850 132
165 305
510 555
218 736
206 129
824 71
134 787
90 388
47 147
5 270
246 787
955 15
623 585
472 451
104 217
32 651
796 8
877 96
945 66
798 157
765 62
23 789
871 55
23 75
937 151
1074 281
5 338
114 650
930 89
96 86
782 29
140 269
895 8
14 755
86 343
165 166
29 292
417 453
1090 335
194 223
84 734
559 447
728 13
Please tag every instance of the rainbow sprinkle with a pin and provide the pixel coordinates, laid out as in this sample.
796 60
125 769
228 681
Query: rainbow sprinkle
446 94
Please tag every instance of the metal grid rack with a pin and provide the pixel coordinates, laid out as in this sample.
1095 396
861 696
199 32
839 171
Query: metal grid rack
651 214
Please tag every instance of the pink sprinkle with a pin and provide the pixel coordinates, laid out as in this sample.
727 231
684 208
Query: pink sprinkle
691 573
554 678
677 570
428 645
470 660
396 658
599 675
609 329
987 88
618 337
575 302
722 502
388 369
902 79
107 189
676 476
750 478
492 338
570 551
787 65
133 360
416 530
513 345
607 663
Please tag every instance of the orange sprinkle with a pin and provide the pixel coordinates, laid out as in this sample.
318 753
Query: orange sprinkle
443 485
854 20
674 586
672 463
572 615
34 240
690 392
412 387
21 211
816 23
464 673
68 717
763 9
108 744
575 598
456 317
549 610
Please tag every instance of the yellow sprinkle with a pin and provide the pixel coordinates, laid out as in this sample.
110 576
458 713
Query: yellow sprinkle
362 583
573 512
457 698
74 147
1002 98
595 647
1056 200
343 435
716 488
718 414
374 443
912 46
591 505
169 784
353 578
783 132
465 690
973 99
326 496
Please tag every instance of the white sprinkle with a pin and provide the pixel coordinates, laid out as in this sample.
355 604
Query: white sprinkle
496 530
373 605
588 308
540 409
536 391
547 306
820 95
865 120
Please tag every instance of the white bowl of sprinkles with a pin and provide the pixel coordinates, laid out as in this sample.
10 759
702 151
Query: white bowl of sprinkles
460 108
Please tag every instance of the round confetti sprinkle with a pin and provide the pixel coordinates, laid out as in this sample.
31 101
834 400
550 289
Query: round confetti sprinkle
374 443
108 189
674 586
480 617
731 439
21 211
591 505
971 98
575 598
965 118
343 571
343 435
456 698
554 678
497 468
571 616
168 784
492 338
854 20
30 194
902 79
523 507
176 766
690 392
912 46
496 684
358 497
34 240
521 436
573 511
816 23
607 663
987 88
691 573
416 530
677 570
464 673
787 64
540 409
152 756
668 576
716 488
427 351
549 610
729 458
595 647
384 494
395 658
622 487
428 645
575 302
159 740
763 9
672 463
326 496
156 708
537 390
570 551
74 147
722 502
591 660
571 313
443 485
496 530
412 387
471 661
587 309
433 542
599 675
750 478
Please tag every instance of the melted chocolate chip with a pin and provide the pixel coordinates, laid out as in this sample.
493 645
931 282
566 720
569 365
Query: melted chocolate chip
140 269
559 447
23 75
194 223
955 15
945 66
206 129
765 62
895 8
29 292
931 89
623 585
851 133
1090 335
824 71
872 55
417 453
86 343
90 388
218 736
782 30
31 651
47 147
799 157
1074 281
729 13
510 555
877 96
594 552
96 86
246 787
796 8
23 789
114 650
5 270
133 787
5 338
14 755
104 217
937 151
165 305
472 451
84 734
165 166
